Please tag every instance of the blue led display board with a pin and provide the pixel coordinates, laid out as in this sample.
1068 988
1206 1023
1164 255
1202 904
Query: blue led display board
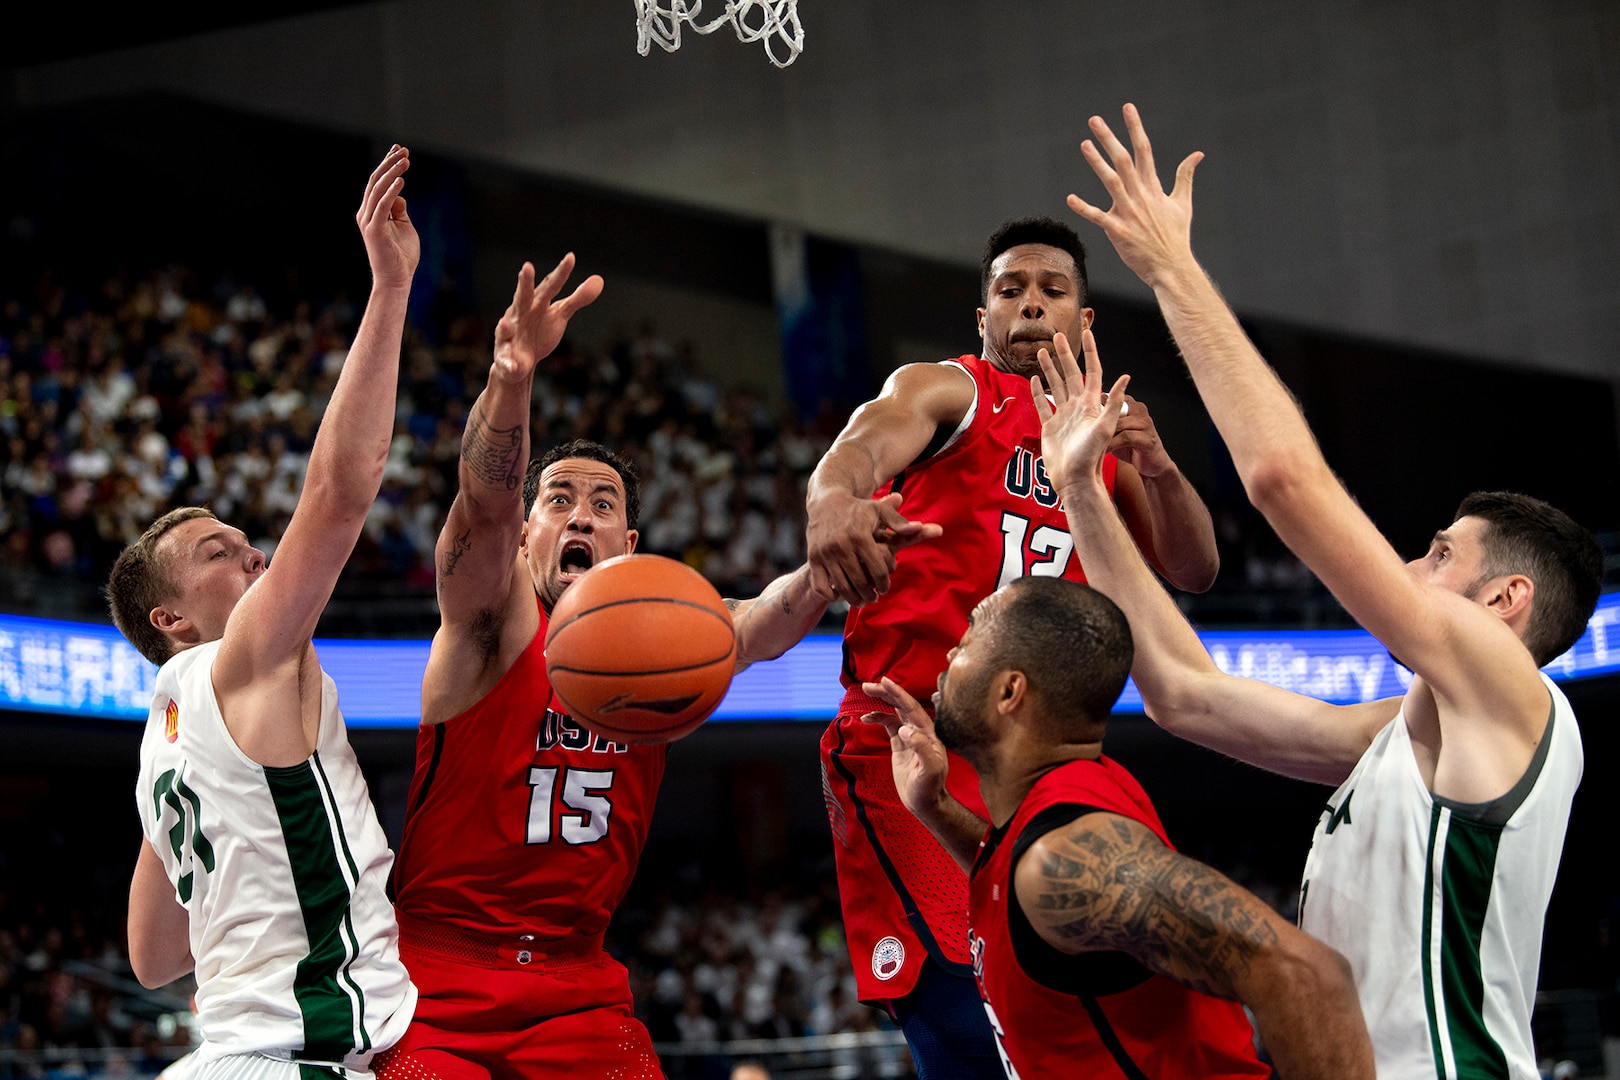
88 669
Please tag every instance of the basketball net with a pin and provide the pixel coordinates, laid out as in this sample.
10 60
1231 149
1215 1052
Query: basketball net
775 22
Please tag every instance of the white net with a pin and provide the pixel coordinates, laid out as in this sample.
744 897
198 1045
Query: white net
774 22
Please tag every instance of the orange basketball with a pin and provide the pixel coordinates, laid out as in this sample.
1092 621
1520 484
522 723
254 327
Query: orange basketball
641 649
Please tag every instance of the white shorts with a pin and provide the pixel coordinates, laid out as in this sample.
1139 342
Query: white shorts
203 1065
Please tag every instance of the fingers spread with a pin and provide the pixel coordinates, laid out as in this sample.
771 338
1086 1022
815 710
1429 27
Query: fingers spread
552 283
1088 345
1184 176
1116 396
588 291
1043 407
1117 153
525 288
1140 145
1104 171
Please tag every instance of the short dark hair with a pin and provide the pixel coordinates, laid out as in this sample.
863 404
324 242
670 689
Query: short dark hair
1071 642
140 581
1034 230
594 451
1527 536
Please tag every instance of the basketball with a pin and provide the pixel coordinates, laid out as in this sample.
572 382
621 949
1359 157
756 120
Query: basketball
641 649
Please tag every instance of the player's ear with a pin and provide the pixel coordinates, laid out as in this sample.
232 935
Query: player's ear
1510 596
1010 690
1086 315
168 621
630 538
979 315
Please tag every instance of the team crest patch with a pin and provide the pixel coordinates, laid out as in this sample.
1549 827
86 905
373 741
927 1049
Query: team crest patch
171 721
888 957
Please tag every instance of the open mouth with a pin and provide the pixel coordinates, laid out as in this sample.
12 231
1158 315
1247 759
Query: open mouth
576 558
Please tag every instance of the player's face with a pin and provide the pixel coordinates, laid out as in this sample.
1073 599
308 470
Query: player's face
1456 557
1034 293
578 519
212 565
964 688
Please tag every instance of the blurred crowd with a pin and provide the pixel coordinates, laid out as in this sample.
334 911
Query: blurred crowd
710 963
159 390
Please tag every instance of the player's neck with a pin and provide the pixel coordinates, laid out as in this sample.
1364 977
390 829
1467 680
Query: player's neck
1006 783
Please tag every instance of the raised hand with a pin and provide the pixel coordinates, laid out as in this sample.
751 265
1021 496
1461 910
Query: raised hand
1078 424
534 323
920 764
391 242
851 554
1151 231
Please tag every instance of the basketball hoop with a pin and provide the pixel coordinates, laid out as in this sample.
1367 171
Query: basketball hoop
775 22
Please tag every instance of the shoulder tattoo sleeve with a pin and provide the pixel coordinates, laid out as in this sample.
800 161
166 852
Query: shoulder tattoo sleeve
1105 882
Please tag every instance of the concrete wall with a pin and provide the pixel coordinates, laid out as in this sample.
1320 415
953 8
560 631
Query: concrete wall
1439 173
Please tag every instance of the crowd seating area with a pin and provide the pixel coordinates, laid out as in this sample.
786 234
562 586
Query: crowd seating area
127 396
160 390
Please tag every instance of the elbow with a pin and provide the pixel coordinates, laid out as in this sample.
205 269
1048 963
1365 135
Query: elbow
1172 700
148 971
1269 483
1279 480
1200 576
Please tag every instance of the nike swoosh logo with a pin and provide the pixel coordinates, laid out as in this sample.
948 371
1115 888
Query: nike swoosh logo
1003 405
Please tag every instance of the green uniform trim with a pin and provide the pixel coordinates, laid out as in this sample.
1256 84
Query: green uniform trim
314 838
1466 872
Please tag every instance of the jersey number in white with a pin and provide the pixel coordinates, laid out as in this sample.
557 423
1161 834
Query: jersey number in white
1051 547
584 790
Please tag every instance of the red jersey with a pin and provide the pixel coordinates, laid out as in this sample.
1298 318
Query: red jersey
1097 1014
903 896
987 486
520 820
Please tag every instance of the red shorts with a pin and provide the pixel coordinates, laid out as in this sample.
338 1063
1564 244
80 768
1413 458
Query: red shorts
905 900
502 1009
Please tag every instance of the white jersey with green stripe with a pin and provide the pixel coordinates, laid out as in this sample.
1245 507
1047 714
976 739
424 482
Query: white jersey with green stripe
283 872
1439 906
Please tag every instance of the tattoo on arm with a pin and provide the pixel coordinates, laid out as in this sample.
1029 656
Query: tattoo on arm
731 605
459 546
1108 883
492 454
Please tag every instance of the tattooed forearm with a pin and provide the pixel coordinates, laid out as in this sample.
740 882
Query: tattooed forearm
493 454
1108 883
459 546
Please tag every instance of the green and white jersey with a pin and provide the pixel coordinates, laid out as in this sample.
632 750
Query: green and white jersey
1439 906
282 871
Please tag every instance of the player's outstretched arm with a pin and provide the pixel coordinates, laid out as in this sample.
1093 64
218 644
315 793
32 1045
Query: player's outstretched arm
790 607
1182 689
920 768
847 536
1106 883
777 619
1162 510
1464 652
159 928
269 631
486 600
